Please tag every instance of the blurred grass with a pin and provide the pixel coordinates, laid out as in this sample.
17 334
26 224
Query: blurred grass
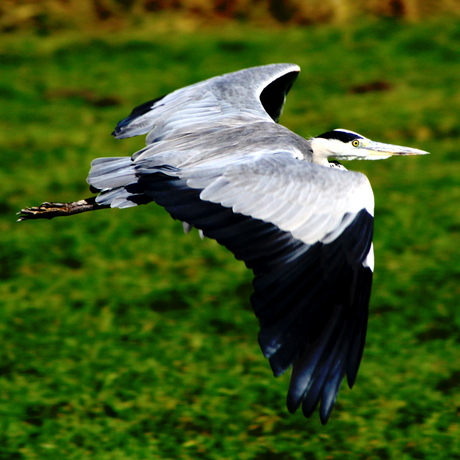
124 338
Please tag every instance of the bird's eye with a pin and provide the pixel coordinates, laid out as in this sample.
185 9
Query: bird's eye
355 143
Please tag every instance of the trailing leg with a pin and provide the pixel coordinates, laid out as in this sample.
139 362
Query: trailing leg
49 210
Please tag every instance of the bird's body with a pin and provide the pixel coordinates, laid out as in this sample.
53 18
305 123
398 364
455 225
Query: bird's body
217 160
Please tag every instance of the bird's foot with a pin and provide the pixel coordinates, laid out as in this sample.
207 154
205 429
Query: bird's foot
49 210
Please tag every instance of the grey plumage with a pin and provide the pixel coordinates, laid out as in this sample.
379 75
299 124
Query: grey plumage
217 160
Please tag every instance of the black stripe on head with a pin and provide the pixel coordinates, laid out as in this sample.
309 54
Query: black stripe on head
344 136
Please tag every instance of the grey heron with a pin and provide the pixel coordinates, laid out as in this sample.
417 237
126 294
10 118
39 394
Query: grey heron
216 159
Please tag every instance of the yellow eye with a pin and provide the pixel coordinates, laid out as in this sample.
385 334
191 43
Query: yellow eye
355 143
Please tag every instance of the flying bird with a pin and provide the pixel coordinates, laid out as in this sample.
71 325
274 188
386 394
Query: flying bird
217 160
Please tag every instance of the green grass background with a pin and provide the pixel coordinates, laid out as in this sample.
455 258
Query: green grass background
123 338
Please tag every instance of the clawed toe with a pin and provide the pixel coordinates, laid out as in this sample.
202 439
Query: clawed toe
46 210
49 210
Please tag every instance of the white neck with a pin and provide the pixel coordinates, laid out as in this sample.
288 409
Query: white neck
330 148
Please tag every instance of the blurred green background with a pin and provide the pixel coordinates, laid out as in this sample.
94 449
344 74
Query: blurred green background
123 338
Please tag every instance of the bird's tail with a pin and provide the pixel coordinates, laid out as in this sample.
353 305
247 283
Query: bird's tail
116 181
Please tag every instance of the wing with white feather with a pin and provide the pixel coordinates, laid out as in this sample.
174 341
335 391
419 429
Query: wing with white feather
238 98
306 232
216 160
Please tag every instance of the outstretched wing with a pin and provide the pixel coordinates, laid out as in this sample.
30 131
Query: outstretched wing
306 232
238 98
216 160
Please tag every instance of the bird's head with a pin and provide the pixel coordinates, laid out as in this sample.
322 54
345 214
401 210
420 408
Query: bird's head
342 144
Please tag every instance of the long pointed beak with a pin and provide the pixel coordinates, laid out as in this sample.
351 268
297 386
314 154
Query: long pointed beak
386 150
